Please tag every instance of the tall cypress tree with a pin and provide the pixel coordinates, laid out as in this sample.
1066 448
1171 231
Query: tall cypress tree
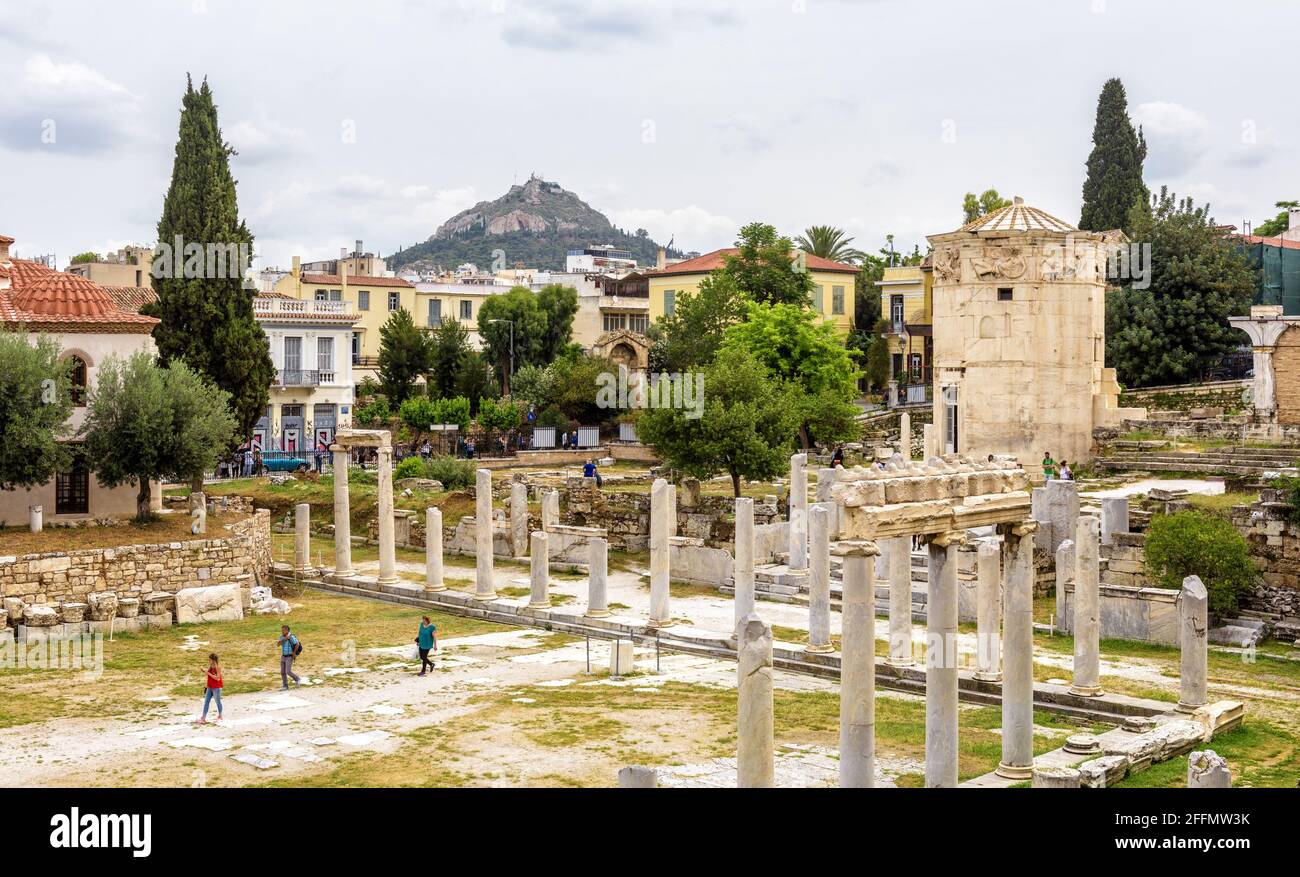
206 313
1114 184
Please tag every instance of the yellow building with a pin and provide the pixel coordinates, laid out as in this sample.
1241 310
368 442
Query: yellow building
906 305
373 299
832 294
129 266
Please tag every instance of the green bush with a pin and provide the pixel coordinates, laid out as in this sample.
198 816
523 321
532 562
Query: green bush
411 467
1290 487
1195 543
452 472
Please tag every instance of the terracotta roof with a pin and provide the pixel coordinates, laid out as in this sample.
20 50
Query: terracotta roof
1268 242
131 298
39 297
359 280
717 259
1018 217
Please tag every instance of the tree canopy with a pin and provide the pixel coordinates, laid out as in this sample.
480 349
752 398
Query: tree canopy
1279 223
403 355
829 242
765 269
689 337
1114 184
539 324
35 404
973 206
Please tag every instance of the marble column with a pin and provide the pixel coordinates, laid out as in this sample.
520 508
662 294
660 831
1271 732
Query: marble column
550 509
1265 326
927 442
858 665
799 512
823 494
905 435
519 518
387 535
484 588
302 538
1018 654
988 613
755 751
819 579
597 573
899 551
1114 517
672 509
1193 612
539 568
342 513
1087 608
660 613
36 518
941 663
743 574
1065 570
433 550
199 524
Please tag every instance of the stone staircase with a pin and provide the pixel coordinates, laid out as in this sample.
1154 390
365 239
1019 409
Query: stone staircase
1244 462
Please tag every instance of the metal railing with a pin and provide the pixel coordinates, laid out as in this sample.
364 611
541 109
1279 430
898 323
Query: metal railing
303 377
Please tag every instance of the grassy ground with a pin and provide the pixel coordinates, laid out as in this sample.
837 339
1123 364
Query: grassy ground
165 528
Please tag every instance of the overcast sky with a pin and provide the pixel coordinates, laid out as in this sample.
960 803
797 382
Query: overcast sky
379 120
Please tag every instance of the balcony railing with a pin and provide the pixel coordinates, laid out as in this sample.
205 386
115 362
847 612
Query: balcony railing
265 306
303 378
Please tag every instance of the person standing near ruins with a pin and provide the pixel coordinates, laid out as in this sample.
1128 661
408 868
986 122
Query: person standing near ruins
837 458
290 648
1049 466
212 688
1066 473
426 640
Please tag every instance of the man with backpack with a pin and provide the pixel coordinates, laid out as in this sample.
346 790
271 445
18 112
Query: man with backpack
290 648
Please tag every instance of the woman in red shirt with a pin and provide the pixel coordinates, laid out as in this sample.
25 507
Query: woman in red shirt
213 688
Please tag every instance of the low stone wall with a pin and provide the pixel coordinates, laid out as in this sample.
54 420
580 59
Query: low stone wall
1275 545
1227 395
1240 428
148 573
1147 614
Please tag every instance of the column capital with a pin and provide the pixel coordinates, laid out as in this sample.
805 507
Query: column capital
950 538
855 548
1024 528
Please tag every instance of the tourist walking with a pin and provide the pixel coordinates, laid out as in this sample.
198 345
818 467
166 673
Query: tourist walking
426 640
1066 473
212 688
248 462
290 648
1049 466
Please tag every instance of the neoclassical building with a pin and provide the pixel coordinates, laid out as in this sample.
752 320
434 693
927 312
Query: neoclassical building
1020 338
88 324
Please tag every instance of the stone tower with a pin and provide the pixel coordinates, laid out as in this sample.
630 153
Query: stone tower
1020 337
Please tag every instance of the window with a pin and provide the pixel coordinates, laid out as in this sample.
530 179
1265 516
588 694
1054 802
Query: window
915 367
467 309
292 354
72 489
1004 293
363 300
322 295
638 322
895 365
138 278
356 348
819 299
837 300
394 300
77 377
670 300
325 354
896 313
435 311
950 437
614 322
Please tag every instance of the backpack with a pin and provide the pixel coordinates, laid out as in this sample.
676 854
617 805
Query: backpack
297 647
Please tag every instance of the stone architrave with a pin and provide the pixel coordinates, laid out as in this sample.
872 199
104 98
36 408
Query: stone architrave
1206 769
1018 653
799 512
1193 615
539 572
858 665
519 518
342 513
1114 517
484 588
660 611
597 574
387 532
1065 570
1086 625
905 435
755 752
743 572
941 663
899 555
819 579
988 612
433 550
302 538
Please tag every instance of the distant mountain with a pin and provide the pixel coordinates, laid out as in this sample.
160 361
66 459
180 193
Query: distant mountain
535 225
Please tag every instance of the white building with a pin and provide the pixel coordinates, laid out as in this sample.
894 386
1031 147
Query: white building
598 260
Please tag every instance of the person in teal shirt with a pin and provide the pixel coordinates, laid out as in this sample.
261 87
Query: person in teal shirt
426 639
288 651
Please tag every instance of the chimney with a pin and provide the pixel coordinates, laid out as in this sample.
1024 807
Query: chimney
1292 232
297 267
4 248
661 260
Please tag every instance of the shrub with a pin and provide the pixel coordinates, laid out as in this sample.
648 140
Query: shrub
454 410
376 414
411 467
452 472
1195 543
1290 487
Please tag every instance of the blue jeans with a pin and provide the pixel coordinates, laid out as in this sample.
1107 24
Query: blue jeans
208 695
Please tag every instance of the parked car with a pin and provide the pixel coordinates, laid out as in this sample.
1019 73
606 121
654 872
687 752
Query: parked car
285 461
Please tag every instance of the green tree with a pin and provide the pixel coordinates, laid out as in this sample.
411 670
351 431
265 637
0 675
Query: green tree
797 347
475 381
1114 184
1273 227
746 430
828 242
576 387
207 320
558 304
765 269
1176 328
403 355
692 333
146 422
418 413
973 206
533 385
500 415
82 258
35 404
512 322
1193 542
448 347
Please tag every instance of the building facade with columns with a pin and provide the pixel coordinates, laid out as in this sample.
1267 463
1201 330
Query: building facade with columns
1019 326
1275 345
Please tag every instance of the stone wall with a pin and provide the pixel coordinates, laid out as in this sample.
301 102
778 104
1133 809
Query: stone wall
1275 545
1227 395
242 558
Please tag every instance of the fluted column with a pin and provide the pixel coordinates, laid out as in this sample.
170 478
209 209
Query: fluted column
755 760
858 665
660 612
1018 654
1087 600
433 550
342 513
1193 616
941 663
597 573
743 568
799 512
387 535
484 588
539 564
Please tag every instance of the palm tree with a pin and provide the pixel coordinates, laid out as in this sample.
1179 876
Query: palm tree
828 242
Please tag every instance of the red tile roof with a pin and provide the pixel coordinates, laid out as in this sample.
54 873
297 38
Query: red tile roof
360 280
41 298
1268 242
717 259
131 298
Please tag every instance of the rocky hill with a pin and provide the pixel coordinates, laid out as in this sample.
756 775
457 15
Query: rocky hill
535 224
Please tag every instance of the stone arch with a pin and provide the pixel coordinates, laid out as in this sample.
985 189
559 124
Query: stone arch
989 327
1286 371
79 373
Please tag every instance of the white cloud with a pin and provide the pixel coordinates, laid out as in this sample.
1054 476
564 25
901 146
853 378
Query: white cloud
1176 137
67 107
263 140
559 25
692 226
